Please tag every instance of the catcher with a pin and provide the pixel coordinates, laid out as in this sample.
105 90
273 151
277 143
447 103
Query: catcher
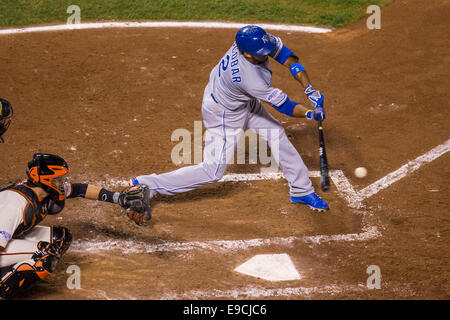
6 113
29 252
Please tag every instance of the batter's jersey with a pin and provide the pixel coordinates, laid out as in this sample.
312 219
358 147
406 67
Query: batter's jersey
12 207
235 81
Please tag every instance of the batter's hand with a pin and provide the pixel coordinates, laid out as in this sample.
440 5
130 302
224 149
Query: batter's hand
316 114
314 96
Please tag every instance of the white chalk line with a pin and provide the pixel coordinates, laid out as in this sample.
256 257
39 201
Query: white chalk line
98 245
404 170
163 24
255 292
231 177
260 292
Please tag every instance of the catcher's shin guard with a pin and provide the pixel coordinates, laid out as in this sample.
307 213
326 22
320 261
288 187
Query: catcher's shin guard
46 258
61 237
24 274
21 277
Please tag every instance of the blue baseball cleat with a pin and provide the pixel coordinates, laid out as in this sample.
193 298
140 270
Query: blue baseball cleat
311 200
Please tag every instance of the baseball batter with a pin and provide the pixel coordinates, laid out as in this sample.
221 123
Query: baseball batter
29 252
232 102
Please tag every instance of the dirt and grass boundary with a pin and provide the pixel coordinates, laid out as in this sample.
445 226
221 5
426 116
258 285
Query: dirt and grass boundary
332 13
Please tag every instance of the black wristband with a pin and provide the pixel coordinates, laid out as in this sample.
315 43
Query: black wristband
78 190
108 196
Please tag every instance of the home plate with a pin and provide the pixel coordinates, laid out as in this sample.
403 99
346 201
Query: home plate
272 267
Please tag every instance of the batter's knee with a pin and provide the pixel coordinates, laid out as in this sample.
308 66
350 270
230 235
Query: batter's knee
214 171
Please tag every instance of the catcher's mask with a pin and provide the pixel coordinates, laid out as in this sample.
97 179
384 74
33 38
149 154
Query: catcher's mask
47 171
6 113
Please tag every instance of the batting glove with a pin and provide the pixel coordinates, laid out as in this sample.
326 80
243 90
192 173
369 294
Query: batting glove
314 96
316 114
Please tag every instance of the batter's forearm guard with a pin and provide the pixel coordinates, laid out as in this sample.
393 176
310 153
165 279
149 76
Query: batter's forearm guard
284 54
296 68
287 107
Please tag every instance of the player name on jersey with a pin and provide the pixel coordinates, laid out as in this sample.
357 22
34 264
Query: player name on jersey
235 64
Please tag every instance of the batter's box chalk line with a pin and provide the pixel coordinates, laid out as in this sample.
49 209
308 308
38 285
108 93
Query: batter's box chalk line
247 292
261 292
344 188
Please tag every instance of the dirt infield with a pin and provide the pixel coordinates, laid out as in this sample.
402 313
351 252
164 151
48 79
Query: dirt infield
108 101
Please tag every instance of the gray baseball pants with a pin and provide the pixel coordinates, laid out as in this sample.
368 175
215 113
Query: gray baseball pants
224 128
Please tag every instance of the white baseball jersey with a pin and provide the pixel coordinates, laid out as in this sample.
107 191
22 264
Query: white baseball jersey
12 210
12 206
235 81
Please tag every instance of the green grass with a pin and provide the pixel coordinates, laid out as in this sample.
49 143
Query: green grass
335 13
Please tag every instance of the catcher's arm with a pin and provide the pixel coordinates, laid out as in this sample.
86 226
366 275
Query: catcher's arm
135 200
90 191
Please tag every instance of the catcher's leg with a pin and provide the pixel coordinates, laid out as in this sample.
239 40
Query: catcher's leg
58 235
24 274
19 278
61 237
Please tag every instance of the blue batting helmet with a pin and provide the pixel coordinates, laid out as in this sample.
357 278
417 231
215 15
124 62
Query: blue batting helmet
255 40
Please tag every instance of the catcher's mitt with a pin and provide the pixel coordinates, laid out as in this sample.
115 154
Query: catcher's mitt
136 201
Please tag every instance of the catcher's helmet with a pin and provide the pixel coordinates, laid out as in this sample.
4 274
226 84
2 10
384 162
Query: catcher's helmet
6 113
255 40
46 171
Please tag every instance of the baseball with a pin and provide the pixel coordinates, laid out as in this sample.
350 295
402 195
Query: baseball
360 172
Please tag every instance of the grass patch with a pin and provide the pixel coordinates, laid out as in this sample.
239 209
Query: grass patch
335 13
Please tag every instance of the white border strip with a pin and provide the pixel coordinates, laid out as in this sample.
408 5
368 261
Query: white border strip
163 24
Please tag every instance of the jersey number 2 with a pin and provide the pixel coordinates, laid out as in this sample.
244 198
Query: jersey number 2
224 66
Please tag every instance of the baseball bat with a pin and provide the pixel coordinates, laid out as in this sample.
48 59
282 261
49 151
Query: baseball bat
324 176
